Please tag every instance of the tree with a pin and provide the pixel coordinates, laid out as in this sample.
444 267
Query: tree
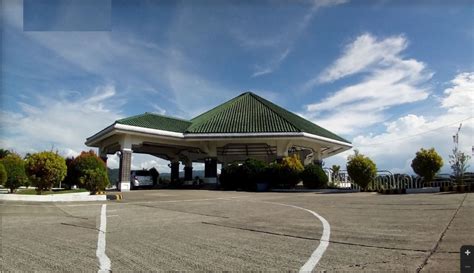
71 174
15 168
4 153
314 177
3 174
335 169
94 180
426 164
361 169
87 165
45 169
459 164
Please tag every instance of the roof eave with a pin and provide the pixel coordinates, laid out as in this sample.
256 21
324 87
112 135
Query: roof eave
214 136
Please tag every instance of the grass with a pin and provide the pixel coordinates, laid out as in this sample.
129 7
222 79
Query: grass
33 191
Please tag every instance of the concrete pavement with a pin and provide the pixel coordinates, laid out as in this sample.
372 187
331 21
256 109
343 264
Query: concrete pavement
214 230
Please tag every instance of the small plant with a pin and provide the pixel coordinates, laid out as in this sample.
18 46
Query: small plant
426 164
459 164
361 169
45 169
314 177
15 168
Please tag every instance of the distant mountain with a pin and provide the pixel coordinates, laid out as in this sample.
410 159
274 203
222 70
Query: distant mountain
114 174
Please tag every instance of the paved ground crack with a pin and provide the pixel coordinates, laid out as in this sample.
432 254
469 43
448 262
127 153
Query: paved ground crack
73 225
313 239
436 245
187 212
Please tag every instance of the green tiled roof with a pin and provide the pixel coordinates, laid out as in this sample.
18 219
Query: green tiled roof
247 113
155 121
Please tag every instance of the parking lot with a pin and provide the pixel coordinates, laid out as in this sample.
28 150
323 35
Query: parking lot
215 230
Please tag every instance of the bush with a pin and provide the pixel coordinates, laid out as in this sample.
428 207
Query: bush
285 174
426 164
15 169
252 172
81 168
361 169
45 169
230 177
314 177
94 180
244 176
3 174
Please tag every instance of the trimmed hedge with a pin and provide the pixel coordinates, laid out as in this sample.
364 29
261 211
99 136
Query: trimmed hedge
247 175
314 177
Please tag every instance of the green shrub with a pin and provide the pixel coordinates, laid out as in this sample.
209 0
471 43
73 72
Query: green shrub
253 171
230 177
244 176
15 168
81 167
426 164
3 174
361 169
45 169
285 174
314 177
94 180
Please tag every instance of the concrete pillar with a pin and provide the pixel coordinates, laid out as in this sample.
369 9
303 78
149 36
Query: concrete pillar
174 165
188 171
210 170
125 167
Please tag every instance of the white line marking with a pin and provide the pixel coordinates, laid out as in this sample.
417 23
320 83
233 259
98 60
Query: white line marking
323 242
104 261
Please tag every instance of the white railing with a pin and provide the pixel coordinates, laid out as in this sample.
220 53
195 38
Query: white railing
386 180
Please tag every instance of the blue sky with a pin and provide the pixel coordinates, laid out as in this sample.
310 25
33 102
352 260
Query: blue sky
391 76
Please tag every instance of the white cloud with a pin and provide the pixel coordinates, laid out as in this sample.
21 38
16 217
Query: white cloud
362 53
62 123
392 80
459 98
394 148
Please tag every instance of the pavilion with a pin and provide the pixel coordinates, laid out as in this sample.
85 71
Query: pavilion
247 126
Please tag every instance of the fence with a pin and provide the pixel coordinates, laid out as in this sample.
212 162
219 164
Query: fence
387 180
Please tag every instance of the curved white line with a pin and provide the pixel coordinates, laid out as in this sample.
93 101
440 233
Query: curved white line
104 261
323 242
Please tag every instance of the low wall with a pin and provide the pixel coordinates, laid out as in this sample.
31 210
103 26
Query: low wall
62 197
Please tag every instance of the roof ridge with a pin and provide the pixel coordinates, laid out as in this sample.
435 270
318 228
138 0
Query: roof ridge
153 114
219 106
265 102
166 116
131 117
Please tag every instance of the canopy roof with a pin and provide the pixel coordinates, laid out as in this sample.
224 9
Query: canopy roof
244 114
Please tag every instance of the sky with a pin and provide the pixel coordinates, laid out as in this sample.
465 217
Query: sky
390 76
